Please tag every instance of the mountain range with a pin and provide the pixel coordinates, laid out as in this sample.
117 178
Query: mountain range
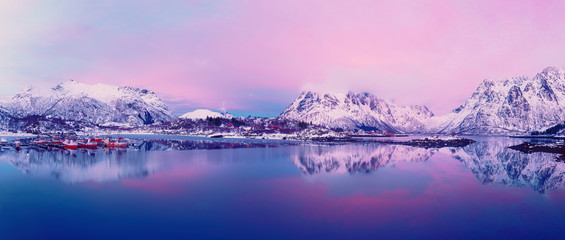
351 111
98 104
511 106
516 105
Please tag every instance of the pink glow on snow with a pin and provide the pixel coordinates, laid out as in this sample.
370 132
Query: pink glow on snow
219 54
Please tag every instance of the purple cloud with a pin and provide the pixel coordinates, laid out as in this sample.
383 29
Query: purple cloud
218 54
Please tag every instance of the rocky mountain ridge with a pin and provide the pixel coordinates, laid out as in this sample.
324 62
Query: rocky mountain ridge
356 110
98 104
512 106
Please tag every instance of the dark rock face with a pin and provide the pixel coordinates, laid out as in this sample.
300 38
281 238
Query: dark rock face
4 119
147 118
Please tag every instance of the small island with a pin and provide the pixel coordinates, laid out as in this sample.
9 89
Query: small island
546 147
433 142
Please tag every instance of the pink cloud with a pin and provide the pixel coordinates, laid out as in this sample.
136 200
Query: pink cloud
211 53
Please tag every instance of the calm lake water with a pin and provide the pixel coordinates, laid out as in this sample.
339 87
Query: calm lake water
229 189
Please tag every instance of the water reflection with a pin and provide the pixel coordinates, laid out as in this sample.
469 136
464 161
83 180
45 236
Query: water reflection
81 165
351 158
139 160
175 144
489 159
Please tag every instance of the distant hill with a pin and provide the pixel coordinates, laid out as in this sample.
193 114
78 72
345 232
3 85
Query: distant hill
203 114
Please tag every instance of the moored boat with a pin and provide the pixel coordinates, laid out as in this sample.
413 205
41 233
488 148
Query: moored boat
56 141
120 143
70 144
17 145
88 144
40 141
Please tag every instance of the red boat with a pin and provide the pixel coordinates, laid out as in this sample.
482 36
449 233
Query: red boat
120 143
56 141
117 144
68 144
40 141
88 144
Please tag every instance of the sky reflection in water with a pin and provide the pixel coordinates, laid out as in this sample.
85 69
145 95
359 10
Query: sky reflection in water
265 190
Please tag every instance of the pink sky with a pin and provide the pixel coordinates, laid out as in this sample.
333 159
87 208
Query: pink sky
254 57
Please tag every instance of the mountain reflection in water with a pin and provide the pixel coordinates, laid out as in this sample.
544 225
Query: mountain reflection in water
81 165
73 166
351 158
489 159
492 162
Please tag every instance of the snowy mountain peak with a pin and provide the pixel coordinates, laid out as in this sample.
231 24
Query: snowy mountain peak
552 72
204 113
514 105
95 103
355 110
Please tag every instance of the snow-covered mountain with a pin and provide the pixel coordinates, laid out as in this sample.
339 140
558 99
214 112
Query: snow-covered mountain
203 114
512 106
93 103
515 105
351 110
